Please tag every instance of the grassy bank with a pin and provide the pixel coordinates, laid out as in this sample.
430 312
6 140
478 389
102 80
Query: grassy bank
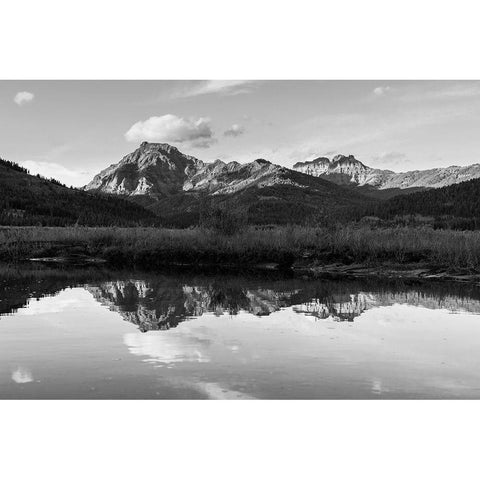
153 247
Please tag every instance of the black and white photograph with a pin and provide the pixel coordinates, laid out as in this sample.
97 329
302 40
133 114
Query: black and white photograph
239 241
190 239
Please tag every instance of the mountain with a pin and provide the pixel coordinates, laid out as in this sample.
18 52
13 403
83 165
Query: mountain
155 170
32 200
347 170
343 170
176 187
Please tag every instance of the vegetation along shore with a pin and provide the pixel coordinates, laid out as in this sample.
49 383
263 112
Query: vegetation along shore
351 250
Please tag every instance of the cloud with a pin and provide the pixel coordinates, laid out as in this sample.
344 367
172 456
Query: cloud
234 131
222 87
59 172
170 128
22 98
458 91
381 91
22 375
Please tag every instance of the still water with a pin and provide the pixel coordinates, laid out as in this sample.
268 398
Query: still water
92 333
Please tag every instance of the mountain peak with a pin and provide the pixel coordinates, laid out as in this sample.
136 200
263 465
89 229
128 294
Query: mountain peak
261 161
159 147
342 169
314 162
153 169
345 159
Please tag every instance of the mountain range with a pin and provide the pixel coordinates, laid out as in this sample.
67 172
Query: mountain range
158 184
176 186
347 170
159 170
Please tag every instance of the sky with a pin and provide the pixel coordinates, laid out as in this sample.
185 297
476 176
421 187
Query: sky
71 130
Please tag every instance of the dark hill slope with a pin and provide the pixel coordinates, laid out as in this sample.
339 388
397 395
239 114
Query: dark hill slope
31 200
455 206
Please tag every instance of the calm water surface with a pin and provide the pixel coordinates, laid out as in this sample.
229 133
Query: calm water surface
89 333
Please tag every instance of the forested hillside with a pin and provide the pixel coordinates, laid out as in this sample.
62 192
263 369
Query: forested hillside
32 200
456 206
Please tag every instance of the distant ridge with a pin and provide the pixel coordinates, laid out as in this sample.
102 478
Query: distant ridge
347 170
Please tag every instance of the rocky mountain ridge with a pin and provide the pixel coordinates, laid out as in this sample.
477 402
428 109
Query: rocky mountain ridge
160 170
175 187
347 170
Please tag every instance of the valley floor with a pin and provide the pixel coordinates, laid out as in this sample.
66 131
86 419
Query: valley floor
350 250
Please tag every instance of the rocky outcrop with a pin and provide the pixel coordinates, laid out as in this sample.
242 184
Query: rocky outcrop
433 178
226 178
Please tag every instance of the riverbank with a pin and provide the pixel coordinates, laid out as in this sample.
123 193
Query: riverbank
348 250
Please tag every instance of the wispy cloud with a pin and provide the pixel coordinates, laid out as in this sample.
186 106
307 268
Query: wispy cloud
170 128
220 87
442 91
22 98
459 91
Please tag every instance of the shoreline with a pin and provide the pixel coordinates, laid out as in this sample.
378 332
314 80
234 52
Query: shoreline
417 272
404 253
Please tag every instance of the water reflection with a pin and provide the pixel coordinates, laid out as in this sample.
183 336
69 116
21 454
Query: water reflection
22 375
163 302
95 333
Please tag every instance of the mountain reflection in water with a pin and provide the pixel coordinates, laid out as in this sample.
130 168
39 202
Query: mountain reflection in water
162 301
95 333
